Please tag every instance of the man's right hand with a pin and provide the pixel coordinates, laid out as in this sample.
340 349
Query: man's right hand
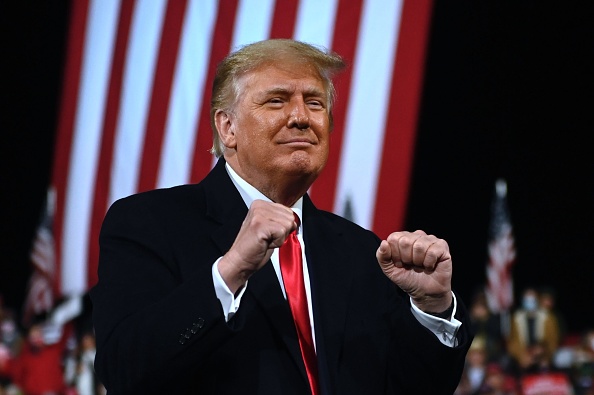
265 228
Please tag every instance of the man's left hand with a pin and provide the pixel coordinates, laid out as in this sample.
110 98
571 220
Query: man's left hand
421 265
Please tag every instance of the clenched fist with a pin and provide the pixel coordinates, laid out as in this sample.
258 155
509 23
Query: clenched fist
265 228
421 265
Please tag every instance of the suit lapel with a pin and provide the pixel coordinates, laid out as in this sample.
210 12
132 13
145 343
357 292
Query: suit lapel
224 205
330 278
265 289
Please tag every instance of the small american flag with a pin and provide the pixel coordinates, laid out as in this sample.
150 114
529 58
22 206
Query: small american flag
502 253
40 290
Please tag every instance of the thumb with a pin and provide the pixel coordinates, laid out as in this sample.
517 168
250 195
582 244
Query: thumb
384 253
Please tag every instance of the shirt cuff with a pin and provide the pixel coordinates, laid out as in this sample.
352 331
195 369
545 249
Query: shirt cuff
229 302
444 329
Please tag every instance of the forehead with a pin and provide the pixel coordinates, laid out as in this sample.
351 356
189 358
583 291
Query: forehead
283 75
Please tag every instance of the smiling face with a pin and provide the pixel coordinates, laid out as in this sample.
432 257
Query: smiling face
277 133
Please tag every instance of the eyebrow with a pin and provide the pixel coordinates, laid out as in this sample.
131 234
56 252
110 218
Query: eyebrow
284 90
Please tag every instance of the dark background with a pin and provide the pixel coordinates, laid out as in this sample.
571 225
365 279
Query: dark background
508 93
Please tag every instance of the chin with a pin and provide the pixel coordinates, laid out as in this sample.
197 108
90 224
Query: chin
303 165
307 161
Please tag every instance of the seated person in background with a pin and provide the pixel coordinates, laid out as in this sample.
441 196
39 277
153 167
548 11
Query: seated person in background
534 335
582 370
548 302
487 325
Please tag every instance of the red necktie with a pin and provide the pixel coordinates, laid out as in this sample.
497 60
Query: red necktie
291 266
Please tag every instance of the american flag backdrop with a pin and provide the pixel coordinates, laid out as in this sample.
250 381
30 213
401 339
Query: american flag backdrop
135 105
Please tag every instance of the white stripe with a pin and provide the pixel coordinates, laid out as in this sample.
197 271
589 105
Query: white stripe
138 76
186 101
367 109
96 62
315 22
253 21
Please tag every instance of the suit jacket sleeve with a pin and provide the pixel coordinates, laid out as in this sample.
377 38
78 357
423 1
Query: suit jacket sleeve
151 325
367 337
161 329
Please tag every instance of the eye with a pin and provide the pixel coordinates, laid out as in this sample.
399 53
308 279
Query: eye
275 102
315 104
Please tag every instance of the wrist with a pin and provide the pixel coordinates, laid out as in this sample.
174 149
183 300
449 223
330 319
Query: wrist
446 314
435 305
234 278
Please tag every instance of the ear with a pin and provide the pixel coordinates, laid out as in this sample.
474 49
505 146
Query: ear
225 128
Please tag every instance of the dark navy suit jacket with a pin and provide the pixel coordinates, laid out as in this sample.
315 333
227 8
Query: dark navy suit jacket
160 327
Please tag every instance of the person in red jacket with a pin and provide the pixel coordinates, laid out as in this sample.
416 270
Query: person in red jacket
38 369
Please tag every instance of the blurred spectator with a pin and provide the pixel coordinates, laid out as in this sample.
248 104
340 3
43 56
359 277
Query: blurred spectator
487 326
473 376
534 335
70 362
79 370
548 302
86 380
10 341
498 382
481 377
5 362
583 365
9 332
38 369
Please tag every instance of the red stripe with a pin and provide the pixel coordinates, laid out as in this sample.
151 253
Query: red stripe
344 42
283 22
161 94
72 76
220 46
102 177
397 155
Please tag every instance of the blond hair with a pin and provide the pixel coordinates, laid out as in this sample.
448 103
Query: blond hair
226 84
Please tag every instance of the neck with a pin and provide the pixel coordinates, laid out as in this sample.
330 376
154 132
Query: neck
285 193
284 189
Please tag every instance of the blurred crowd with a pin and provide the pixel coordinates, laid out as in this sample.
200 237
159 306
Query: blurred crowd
525 352
45 359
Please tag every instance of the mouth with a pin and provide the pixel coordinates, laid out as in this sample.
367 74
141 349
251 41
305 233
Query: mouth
298 143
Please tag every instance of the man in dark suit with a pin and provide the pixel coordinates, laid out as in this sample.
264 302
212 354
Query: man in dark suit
192 297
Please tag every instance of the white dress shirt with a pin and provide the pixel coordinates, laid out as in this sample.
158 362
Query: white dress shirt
445 330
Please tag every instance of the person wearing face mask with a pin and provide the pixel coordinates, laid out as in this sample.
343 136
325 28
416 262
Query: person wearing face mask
534 335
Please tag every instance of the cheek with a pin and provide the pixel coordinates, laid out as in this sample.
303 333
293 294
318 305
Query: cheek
249 133
321 125
264 127
322 132
324 152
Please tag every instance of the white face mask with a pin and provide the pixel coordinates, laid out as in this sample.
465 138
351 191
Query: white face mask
529 303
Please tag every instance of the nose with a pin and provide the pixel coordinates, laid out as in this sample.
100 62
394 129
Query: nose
298 116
